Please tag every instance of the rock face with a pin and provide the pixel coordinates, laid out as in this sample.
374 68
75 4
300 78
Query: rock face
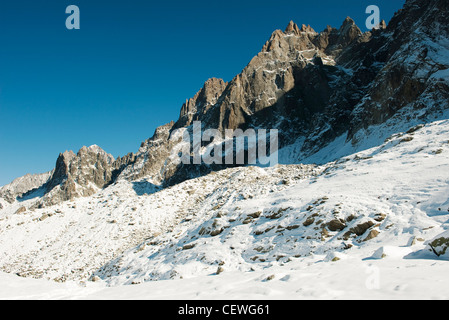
201 102
440 244
79 175
412 53
313 87
316 87
151 157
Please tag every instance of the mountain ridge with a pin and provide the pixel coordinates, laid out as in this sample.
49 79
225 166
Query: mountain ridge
366 115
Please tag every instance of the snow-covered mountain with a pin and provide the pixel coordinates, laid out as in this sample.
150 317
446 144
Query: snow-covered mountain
383 210
22 185
363 173
315 88
394 195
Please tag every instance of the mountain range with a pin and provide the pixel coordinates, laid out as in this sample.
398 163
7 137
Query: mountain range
343 101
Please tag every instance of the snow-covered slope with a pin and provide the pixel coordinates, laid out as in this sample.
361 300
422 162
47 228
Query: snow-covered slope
394 195
71 240
385 279
283 232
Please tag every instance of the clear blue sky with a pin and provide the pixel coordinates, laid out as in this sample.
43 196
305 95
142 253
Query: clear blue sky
129 68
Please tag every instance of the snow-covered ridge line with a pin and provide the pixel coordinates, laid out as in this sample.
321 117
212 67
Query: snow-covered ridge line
23 185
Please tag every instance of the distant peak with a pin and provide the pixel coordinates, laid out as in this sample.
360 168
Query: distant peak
292 28
68 154
93 148
329 29
348 20
214 82
349 31
307 28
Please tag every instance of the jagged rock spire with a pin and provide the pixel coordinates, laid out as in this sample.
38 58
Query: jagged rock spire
202 101
292 28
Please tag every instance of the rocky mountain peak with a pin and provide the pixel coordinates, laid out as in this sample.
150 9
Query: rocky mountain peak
316 81
95 151
61 168
348 32
307 28
212 90
205 98
80 174
348 21
292 28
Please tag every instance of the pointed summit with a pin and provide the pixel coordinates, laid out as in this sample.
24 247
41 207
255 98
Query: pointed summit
347 21
292 28
206 97
307 29
348 32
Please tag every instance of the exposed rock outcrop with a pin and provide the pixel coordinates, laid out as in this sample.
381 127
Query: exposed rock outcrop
79 175
201 102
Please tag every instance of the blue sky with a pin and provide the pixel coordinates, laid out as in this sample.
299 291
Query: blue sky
129 68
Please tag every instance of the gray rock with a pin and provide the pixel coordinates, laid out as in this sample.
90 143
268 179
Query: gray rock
336 225
440 244
21 210
76 174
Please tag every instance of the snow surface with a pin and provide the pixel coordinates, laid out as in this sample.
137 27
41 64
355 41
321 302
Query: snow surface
352 278
358 227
